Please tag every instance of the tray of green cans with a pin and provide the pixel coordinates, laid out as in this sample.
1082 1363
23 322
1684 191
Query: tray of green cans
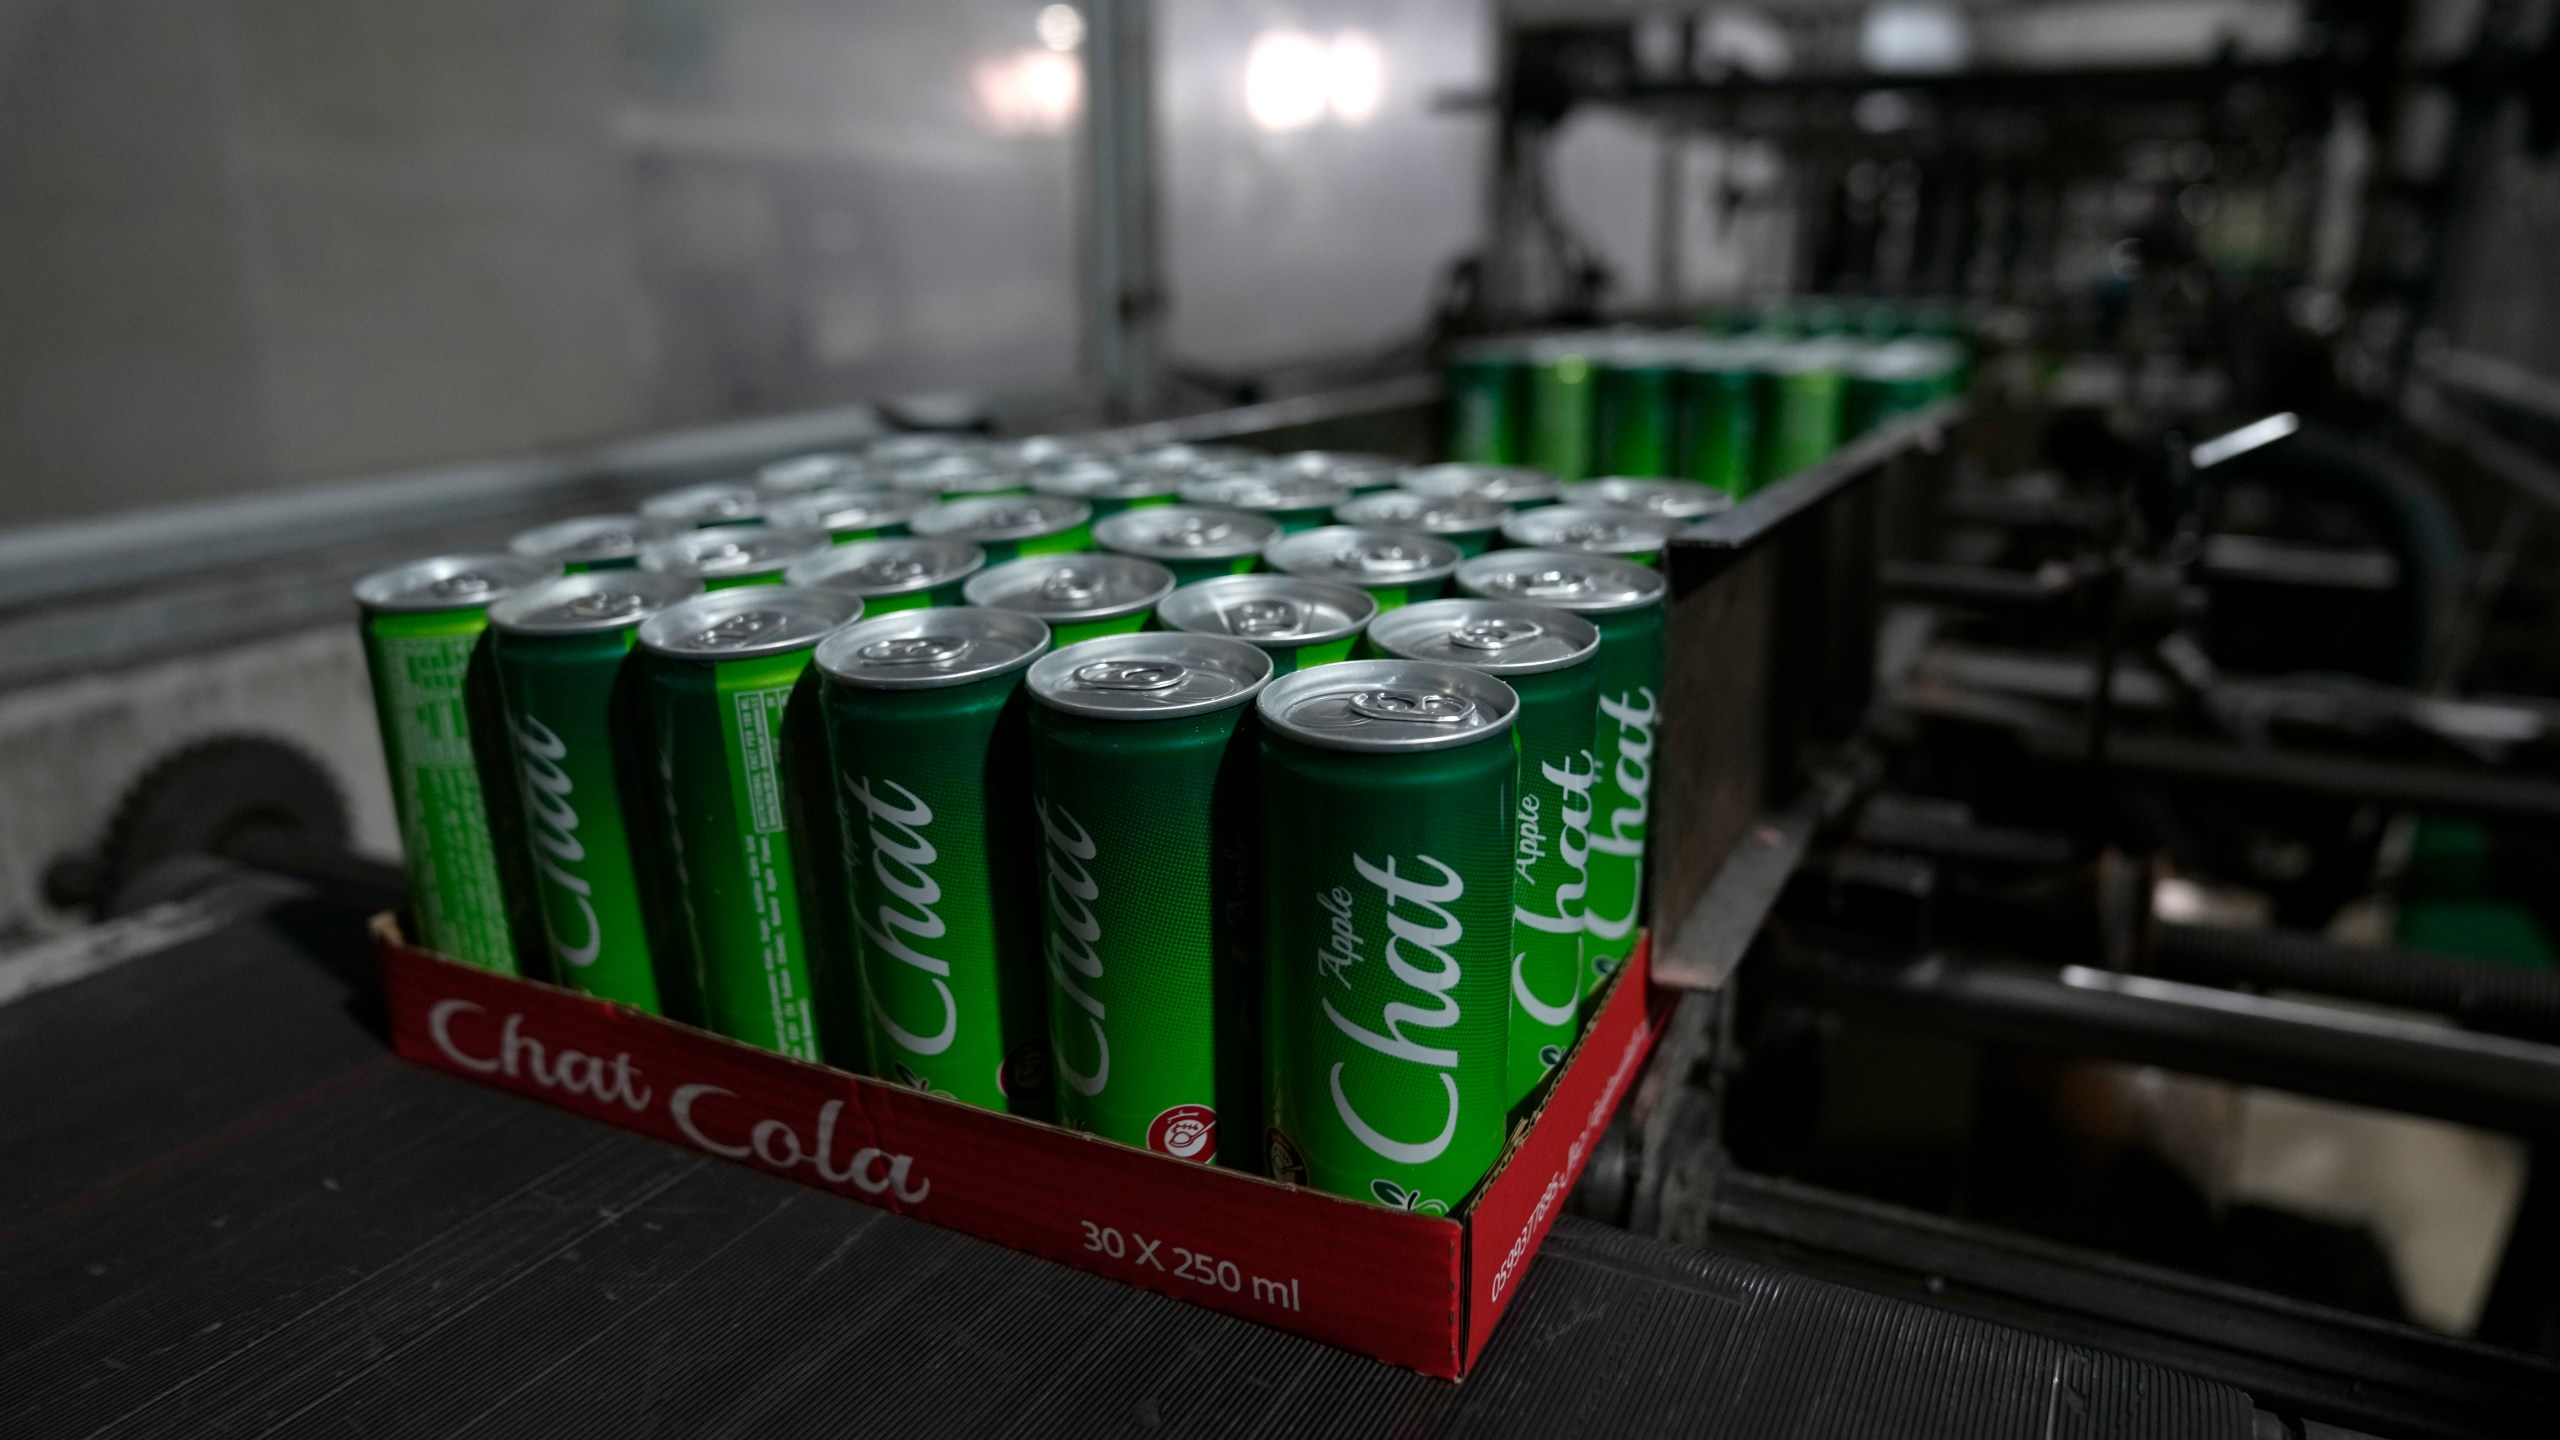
1269 939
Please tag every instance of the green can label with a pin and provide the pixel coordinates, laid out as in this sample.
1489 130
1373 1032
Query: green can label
1622 742
420 668
937 858
1388 941
1550 871
561 713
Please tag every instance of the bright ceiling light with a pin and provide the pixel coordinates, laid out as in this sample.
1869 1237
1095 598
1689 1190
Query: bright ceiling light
1029 92
1355 76
1286 80
1060 27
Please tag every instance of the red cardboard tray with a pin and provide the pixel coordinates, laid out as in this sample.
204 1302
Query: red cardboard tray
1419 1291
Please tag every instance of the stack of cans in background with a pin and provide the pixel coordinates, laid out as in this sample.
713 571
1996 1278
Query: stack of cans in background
1284 813
1755 399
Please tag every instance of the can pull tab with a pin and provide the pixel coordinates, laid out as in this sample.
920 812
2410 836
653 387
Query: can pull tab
1195 533
1382 557
461 587
606 605
1555 581
890 570
740 630
915 650
1412 707
1264 617
1131 674
605 542
723 555
1072 586
1496 632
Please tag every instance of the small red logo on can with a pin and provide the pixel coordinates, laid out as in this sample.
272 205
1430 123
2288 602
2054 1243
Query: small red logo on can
1185 1132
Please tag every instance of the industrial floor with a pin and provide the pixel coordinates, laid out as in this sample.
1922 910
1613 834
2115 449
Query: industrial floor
226 1209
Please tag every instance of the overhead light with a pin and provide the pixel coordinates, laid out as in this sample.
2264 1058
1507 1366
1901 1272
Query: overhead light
1028 92
1355 77
1285 80
1060 27
1914 37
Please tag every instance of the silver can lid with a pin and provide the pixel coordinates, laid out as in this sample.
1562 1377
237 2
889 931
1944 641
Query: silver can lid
805 474
1065 589
930 649
1389 706
725 551
917 447
847 509
592 539
1589 528
1508 484
1589 584
1357 556
1103 480
596 601
1350 469
1265 488
1430 514
1185 532
1035 451
723 502
1499 637
1665 499
451 582
747 623
1159 676
1280 612
957 475
1001 517
894 565
1192 459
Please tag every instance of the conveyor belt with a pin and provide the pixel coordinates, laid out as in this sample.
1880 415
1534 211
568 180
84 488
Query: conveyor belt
226 1210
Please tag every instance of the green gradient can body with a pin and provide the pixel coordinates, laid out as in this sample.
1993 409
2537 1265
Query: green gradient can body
1563 411
1800 410
728 688
925 716
1144 787
1626 602
1548 658
1387 929
573 718
1636 413
1486 396
425 625
1719 426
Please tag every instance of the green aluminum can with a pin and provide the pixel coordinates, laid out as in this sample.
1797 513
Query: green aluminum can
1591 530
724 556
925 715
1469 523
1079 597
1396 567
1506 485
1488 385
1296 621
1195 542
434 692
1635 394
1143 783
902 572
1008 527
1626 602
593 542
573 711
1290 500
1550 659
1107 486
721 502
1719 408
809 474
1563 407
1800 409
731 698
849 514
1387 795
1677 501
